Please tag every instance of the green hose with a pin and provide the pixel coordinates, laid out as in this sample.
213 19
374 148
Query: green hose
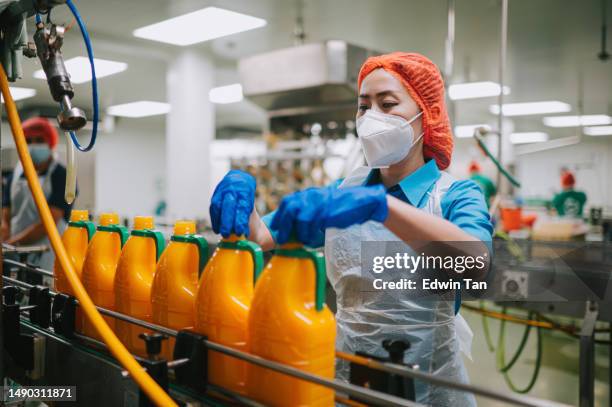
500 168
519 350
513 248
485 328
501 350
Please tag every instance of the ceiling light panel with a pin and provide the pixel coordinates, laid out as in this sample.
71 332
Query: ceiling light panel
199 26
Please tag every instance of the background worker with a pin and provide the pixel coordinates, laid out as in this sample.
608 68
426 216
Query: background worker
569 202
485 183
403 195
21 224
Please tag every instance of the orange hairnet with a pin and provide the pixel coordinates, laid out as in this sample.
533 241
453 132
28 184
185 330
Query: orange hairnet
424 83
41 127
474 167
567 179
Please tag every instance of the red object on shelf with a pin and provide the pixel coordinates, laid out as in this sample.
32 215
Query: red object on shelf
511 218
529 219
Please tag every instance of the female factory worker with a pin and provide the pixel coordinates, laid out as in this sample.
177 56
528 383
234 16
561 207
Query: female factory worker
403 194
20 222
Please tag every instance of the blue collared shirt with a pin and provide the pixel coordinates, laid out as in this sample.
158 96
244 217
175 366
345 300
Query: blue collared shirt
463 204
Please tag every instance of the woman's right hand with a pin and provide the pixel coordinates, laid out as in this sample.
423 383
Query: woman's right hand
232 204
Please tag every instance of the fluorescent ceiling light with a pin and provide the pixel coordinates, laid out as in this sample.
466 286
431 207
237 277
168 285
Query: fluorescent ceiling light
523 109
226 94
577 121
598 131
528 137
198 26
467 130
20 93
142 108
475 90
80 70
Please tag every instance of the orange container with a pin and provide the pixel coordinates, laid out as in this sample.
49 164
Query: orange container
133 281
100 266
76 239
290 323
222 307
511 218
176 281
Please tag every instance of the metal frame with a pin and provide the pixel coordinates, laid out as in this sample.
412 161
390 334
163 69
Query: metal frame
358 392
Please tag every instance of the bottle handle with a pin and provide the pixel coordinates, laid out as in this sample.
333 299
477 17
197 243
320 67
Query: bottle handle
319 263
251 247
120 230
89 226
158 238
200 243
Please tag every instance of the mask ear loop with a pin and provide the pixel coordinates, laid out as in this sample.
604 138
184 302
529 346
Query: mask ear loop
422 133
414 143
415 117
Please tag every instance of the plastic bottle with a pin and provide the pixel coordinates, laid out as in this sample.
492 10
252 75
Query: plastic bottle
76 237
100 266
176 281
290 323
133 281
222 307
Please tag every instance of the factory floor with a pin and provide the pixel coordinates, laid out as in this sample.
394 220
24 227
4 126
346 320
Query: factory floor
558 378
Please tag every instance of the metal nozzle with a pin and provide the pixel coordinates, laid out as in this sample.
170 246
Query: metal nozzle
71 118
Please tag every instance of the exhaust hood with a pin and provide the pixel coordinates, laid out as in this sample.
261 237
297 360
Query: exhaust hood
311 77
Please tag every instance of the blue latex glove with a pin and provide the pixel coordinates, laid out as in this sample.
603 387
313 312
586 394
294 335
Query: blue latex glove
232 204
313 210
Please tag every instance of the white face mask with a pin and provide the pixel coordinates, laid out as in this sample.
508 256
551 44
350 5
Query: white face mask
386 139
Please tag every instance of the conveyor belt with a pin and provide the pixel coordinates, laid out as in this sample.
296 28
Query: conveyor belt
66 348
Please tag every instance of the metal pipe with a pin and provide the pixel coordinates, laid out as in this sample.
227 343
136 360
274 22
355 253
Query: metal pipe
406 371
449 60
27 267
9 248
502 68
360 392
604 55
138 322
171 365
17 283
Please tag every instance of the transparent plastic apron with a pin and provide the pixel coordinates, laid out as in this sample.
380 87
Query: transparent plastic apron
366 318
24 213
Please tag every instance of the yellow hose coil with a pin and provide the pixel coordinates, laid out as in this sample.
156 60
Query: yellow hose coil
146 383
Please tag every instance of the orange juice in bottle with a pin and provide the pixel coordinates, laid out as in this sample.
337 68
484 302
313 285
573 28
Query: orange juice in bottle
290 323
76 237
222 307
133 281
100 266
176 281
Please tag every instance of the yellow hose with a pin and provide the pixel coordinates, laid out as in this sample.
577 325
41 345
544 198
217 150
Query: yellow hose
146 383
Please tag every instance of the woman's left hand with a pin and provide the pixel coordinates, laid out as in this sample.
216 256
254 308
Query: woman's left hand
306 213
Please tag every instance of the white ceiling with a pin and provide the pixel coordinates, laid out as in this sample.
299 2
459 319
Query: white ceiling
552 44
